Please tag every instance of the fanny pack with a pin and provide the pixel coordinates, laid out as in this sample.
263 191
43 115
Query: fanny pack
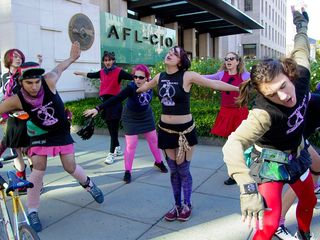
33 130
273 163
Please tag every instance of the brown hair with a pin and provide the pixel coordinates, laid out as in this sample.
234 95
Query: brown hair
8 57
241 66
264 72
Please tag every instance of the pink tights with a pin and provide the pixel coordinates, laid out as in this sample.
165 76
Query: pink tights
131 145
36 177
272 192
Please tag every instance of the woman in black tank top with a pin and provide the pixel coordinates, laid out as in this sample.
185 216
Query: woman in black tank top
177 133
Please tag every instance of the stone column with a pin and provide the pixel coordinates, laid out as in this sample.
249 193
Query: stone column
205 45
189 41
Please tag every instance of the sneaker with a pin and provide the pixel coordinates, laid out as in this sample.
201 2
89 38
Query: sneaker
304 236
185 213
127 177
118 151
172 214
230 181
283 233
96 193
34 221
161 167
110 158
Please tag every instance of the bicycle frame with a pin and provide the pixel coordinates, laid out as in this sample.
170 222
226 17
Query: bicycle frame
4 210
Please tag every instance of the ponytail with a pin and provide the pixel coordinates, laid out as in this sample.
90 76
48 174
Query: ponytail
245 90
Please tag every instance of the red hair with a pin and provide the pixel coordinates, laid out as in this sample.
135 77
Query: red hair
142 68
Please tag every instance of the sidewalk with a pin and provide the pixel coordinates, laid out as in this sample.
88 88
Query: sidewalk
135 210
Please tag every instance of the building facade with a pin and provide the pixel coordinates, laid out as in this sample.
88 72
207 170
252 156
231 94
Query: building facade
43 27
270 41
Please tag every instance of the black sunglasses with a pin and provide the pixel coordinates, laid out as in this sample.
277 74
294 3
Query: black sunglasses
230 58
140 77
231 79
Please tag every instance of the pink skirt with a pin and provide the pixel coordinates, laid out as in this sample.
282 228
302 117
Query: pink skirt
228 120
51 151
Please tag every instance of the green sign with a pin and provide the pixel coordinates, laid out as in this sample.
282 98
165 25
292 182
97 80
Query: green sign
135 42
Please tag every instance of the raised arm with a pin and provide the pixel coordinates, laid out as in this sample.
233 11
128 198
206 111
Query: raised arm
301 50
148 85
196 78
53 76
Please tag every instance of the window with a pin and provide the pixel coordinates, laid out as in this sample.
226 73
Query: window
250 51
247 5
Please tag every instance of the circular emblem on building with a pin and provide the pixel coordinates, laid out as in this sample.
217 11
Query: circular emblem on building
81 29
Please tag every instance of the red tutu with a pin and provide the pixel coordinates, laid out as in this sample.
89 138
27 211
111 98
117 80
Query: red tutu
228 120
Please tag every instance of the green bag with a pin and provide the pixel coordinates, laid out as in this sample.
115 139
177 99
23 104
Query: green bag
274 165
274 171
33 130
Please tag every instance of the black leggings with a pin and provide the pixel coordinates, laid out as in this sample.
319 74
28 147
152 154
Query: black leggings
113 127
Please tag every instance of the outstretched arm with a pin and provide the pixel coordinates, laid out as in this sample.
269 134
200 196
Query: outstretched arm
53 76
10 104
196 78
125 93
301 51
148 85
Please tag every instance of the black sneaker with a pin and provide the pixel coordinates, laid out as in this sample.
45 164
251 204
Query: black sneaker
34 221
161 167
96 193
230 181
127 177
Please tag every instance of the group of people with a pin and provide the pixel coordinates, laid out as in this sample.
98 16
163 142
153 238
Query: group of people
266 148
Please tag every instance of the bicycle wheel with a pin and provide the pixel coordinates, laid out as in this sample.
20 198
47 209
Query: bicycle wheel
27 233
3 232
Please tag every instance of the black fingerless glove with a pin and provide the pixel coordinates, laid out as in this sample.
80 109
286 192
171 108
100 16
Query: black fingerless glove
301 21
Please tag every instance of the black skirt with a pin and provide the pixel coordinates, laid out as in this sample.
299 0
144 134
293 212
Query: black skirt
16 133
137 122
171 140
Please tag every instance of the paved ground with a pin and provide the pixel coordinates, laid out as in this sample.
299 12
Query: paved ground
135 210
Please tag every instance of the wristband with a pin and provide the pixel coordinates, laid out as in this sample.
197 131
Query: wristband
249 188
97 108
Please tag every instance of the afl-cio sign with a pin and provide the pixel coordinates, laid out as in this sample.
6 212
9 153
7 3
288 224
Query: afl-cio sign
124 33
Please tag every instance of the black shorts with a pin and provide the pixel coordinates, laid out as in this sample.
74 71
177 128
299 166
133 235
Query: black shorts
171 140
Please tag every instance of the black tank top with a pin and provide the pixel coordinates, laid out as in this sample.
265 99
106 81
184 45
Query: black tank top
50 116
287 123
174 100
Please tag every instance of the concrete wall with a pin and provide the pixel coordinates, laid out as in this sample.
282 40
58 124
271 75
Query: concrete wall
41 26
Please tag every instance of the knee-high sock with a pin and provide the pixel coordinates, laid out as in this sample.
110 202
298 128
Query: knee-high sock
152 139
33 194
175 180
306 202
131 145
271 192
80 175
186 181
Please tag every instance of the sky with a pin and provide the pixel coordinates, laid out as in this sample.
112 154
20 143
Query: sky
314 15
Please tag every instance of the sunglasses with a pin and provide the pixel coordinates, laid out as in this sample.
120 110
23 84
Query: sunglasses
230 58
140 77
231 79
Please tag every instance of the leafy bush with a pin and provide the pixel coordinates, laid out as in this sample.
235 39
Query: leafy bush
205 102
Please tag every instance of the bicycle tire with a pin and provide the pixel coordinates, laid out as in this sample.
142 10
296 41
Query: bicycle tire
3 232
27 233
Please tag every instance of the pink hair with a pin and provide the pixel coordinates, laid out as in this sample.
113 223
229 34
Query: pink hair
143 68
